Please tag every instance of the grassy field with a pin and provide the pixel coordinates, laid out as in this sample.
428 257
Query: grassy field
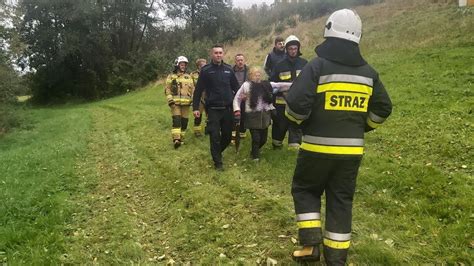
101 183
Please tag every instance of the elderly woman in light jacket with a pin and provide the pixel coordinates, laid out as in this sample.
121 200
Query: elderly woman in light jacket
257 95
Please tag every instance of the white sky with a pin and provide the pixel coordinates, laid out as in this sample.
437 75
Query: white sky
249 3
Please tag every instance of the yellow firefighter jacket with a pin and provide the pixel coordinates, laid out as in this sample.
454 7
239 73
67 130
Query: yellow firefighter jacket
179 88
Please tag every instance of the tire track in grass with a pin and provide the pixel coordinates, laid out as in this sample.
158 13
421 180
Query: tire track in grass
160 201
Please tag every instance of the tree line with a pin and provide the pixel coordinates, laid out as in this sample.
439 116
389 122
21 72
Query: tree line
92 49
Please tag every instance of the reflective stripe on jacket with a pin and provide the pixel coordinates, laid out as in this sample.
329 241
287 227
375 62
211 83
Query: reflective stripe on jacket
336 104
286 71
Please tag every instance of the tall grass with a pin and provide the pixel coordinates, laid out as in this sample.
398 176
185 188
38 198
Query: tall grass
101 183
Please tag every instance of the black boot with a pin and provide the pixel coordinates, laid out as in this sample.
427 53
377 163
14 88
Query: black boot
307 254
335 257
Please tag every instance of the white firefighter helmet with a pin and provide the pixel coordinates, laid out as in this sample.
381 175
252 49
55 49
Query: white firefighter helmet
181 59
292 39
344 24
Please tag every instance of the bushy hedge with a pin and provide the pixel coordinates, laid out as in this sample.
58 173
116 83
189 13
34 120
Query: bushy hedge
10 87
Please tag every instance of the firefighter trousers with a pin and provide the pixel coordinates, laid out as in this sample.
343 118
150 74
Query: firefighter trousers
281 125
219 127
179 114
336 178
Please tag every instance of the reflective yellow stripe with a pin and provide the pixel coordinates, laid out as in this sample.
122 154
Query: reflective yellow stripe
332 149
180 100
291 118
340 86
197 128
372 124
309 224
336 244
280 101
285 75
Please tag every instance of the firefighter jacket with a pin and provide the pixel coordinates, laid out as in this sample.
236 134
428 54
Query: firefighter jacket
286 71
179 88
336 98
272 59
219 83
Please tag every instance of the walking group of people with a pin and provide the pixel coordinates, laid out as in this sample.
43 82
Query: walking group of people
236 95
326 105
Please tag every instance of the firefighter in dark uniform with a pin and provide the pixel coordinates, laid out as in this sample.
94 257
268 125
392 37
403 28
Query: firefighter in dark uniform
286 71
218 81
336 98
179 90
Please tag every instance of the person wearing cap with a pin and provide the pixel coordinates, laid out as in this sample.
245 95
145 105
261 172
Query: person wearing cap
275 56
286 70
198 120
179 88
336 99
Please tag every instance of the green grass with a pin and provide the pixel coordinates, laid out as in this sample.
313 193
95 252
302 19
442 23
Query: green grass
101 183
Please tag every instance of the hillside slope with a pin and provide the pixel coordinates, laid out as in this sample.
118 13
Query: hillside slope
101 183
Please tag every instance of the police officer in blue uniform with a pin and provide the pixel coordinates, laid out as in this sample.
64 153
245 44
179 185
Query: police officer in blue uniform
218 81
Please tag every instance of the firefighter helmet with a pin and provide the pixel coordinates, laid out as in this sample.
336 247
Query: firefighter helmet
292 40
181 59
344 24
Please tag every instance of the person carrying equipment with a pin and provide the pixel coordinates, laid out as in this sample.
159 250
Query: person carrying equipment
336 98
286 71
179 90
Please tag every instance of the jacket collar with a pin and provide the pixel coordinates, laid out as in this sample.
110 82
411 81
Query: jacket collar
278 52
235 68
340 51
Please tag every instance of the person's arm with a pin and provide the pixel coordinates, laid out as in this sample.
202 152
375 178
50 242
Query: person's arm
281 86
168 91
234 83
197 93
239 96
267 65
302 94
380 106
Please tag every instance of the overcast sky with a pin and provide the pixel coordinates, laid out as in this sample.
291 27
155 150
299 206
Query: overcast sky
249 3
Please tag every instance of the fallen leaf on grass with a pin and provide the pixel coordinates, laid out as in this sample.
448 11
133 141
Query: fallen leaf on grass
271 261
374 236
222 256
389 242
162 257
225 226
294 240
251 246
